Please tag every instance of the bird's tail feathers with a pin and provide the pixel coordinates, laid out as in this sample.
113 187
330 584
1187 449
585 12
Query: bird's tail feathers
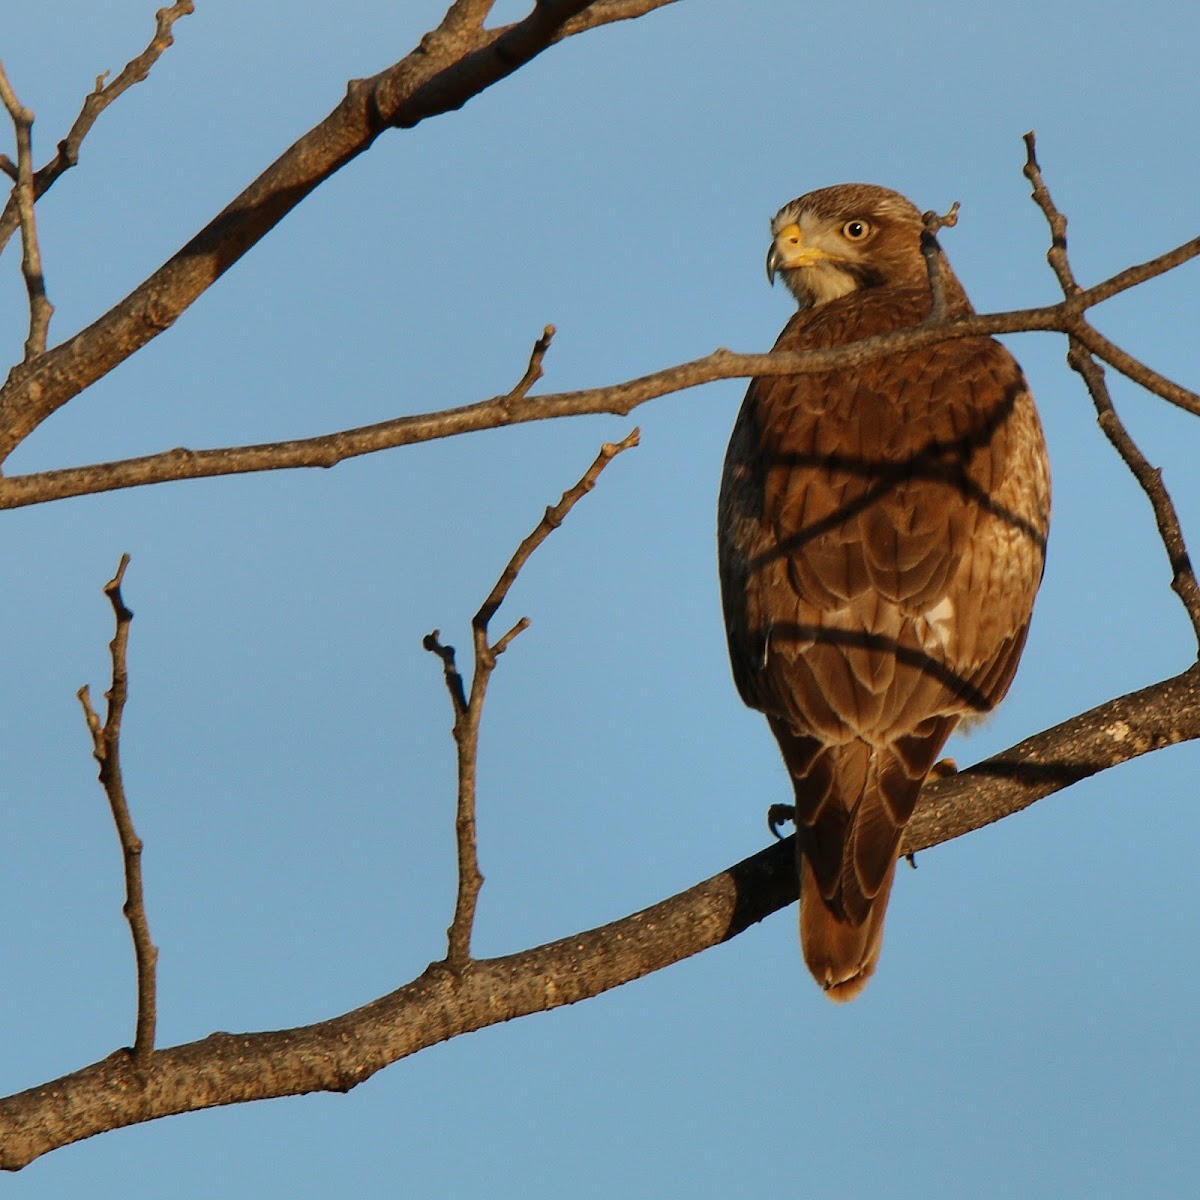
853 800
841 954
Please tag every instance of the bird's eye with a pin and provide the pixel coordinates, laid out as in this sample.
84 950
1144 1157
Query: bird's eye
856 231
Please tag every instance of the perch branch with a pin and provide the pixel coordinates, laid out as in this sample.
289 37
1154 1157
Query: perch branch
40 308
468 712
338 1054
106 749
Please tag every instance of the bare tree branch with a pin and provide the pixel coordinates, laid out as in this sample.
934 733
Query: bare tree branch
1132 368
97 101
338 1054
106 749
40 308
453 63
468 712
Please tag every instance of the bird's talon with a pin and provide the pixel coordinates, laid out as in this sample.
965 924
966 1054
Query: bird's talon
777 814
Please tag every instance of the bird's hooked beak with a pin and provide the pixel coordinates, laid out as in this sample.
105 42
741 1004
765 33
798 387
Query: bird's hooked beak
788 252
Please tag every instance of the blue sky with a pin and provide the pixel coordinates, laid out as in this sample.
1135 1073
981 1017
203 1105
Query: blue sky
1031 1031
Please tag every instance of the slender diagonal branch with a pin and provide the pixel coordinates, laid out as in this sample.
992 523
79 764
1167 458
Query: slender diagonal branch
1079 356
104 93
106 749
1183 576
468 711
1134 369
40 308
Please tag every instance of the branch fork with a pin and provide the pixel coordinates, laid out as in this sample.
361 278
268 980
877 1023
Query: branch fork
468 706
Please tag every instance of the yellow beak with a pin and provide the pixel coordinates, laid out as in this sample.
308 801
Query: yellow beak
789 252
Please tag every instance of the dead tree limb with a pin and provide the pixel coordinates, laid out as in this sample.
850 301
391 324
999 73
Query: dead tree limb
106 749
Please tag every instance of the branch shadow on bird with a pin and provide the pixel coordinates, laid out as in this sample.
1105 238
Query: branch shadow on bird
936 461
865 482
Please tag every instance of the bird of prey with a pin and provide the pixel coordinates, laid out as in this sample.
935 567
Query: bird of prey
882 533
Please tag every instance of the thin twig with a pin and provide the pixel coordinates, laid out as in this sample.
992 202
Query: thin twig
534 371
454 681
1183 577
40 308
468 711
1134 369
932 251
97 101
1056 256
551 520
106 749
1079 357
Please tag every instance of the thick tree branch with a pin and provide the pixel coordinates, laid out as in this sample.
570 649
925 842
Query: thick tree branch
106 749
454 62
338 1054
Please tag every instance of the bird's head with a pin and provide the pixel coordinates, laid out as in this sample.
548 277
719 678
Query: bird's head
842 239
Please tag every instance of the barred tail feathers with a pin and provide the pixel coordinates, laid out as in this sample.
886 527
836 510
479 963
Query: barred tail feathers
853 800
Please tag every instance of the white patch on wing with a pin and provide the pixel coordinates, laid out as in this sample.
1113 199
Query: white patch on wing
940 619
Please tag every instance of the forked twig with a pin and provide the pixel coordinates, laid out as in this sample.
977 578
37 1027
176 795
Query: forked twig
104 93
468 710
106 749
